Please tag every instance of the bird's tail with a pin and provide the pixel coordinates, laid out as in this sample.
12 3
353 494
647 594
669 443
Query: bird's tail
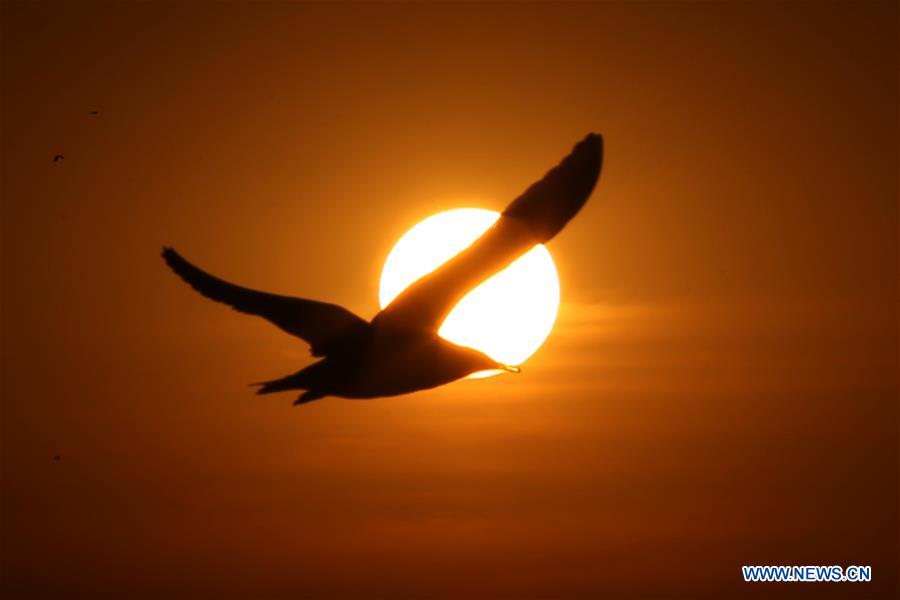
294 381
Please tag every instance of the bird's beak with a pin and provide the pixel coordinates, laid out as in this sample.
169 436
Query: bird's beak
511 368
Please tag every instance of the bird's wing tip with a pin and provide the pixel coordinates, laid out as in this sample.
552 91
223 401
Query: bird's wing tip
593 138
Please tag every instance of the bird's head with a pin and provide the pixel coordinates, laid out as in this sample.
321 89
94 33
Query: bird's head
457 362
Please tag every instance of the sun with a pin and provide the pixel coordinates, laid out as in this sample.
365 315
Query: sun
508 316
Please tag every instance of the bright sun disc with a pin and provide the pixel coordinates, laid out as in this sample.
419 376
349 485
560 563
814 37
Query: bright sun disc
508 316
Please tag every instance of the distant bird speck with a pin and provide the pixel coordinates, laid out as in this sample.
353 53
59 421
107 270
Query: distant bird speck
57 458
95 112
58 157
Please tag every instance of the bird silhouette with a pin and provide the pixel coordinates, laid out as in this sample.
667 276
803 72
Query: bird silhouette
399 350
58 157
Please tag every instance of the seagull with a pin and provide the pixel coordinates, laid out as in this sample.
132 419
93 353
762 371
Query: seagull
399 350
58 157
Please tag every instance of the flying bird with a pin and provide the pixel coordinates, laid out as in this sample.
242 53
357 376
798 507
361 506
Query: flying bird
399 350
58 157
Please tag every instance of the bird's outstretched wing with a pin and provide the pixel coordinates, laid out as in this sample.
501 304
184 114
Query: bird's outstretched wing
532 218
318 323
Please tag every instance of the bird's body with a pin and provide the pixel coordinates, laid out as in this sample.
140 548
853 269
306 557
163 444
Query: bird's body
385 363
399 351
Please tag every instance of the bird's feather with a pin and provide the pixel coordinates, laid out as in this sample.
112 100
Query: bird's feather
319 323
533 218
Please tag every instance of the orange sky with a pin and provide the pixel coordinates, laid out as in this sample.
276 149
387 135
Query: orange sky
721 387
